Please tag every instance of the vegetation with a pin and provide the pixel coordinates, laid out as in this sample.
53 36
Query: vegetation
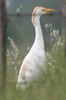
51 85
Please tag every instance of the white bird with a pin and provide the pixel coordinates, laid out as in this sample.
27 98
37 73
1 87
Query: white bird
34 62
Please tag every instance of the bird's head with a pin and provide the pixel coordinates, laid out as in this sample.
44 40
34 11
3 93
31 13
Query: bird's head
38 11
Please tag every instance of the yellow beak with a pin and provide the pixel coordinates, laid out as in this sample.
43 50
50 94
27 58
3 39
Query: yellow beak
49 10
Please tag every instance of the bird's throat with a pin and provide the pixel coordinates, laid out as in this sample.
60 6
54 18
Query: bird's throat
39 41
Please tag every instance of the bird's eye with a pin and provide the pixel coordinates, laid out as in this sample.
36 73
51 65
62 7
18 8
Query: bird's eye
42 9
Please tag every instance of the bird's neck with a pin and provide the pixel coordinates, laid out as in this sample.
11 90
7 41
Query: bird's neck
39 42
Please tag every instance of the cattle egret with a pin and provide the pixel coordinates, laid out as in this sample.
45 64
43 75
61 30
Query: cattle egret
34 61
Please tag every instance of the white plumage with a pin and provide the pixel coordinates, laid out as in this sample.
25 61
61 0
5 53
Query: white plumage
34 62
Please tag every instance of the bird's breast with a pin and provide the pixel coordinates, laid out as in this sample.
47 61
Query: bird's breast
38 61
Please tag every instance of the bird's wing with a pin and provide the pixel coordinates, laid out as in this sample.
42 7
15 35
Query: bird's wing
24 68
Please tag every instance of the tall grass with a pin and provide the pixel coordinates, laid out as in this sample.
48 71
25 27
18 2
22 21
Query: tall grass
51 85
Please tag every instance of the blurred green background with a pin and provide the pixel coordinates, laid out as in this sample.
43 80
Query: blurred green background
21 29
51 85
